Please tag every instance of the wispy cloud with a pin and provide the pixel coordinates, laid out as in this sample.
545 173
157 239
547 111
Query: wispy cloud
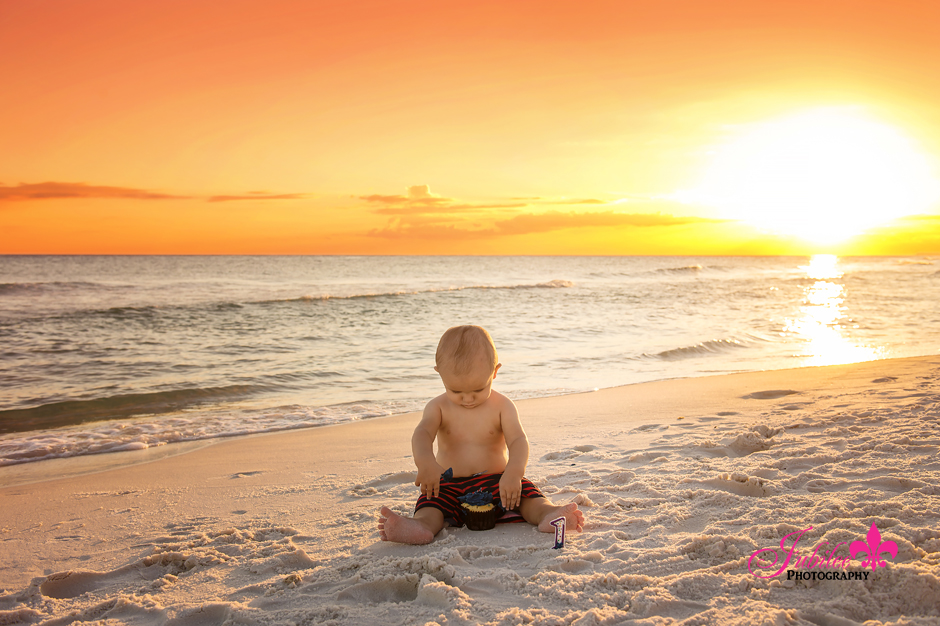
529 223
77 191
572 201
419 200
384 199
450 208
56 190
415 195
434 232
259 195
558 220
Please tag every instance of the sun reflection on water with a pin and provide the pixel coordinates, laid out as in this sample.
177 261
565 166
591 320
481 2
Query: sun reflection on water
823 315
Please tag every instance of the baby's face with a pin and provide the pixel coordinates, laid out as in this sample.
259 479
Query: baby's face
471 389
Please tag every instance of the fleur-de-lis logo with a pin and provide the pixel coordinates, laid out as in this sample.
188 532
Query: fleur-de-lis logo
874 549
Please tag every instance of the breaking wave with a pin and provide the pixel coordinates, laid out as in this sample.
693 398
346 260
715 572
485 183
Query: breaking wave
69 413
685 269
552 284
715 346
158 430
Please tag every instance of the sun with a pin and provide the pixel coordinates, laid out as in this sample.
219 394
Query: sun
823 175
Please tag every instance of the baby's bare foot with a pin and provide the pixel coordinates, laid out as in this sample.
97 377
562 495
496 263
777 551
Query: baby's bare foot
574 518
394 527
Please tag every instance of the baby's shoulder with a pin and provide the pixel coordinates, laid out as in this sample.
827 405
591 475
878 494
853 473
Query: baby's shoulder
501 406
499 399
436 404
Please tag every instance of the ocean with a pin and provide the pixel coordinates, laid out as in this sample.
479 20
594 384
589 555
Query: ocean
108 353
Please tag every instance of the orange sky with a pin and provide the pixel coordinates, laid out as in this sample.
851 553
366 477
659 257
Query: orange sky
353 127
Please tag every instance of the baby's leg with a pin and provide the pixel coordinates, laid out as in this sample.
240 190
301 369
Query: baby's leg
541 512
416 530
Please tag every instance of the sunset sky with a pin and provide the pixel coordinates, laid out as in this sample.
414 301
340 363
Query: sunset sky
436 127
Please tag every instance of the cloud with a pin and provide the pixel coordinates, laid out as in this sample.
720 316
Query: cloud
557 220
259 195
72 191
434 232
575 201
420 201
384 199
530 223
54 190
450 208
421 192
415 195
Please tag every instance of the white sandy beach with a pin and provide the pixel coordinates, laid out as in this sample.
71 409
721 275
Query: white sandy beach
680 481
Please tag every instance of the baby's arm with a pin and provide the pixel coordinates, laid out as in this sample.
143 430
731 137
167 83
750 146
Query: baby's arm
510 485
422 448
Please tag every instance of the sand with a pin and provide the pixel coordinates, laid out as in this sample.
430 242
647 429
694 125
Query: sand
680 481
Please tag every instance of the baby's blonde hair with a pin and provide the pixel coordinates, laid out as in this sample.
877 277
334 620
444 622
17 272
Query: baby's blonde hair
461 347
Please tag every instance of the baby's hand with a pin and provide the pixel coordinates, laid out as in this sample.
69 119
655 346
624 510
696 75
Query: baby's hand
429 480
510 491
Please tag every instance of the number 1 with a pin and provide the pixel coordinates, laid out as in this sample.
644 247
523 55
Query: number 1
559 525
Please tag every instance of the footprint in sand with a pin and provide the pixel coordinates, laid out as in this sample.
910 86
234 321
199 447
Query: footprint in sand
894 484
740 484
769 395
885 379
383 483
246 474
561 455
824 485
398 589
647 456
647 427
616 480
757 439
73 583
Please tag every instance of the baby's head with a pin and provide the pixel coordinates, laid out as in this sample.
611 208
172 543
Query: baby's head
467 362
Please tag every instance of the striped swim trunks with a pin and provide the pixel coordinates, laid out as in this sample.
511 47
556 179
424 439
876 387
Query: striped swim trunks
447 503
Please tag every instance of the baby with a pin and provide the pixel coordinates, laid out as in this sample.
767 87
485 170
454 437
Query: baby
480 438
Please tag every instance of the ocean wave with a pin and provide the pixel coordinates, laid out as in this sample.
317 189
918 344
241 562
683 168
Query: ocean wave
552 284
71 412
154 431
35 287
126 311
714 346
685 269
140 311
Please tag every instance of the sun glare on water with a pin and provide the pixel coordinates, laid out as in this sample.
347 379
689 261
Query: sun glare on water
822 321
823 175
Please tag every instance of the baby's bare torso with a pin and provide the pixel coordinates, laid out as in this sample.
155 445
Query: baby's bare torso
471 441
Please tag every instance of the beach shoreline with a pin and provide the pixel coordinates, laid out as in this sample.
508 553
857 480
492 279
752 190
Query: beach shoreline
658 467
80 465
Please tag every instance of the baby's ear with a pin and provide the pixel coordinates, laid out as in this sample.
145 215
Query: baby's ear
437 370
496 369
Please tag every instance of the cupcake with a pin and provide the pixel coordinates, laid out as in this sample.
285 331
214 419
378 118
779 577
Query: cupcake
479 512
